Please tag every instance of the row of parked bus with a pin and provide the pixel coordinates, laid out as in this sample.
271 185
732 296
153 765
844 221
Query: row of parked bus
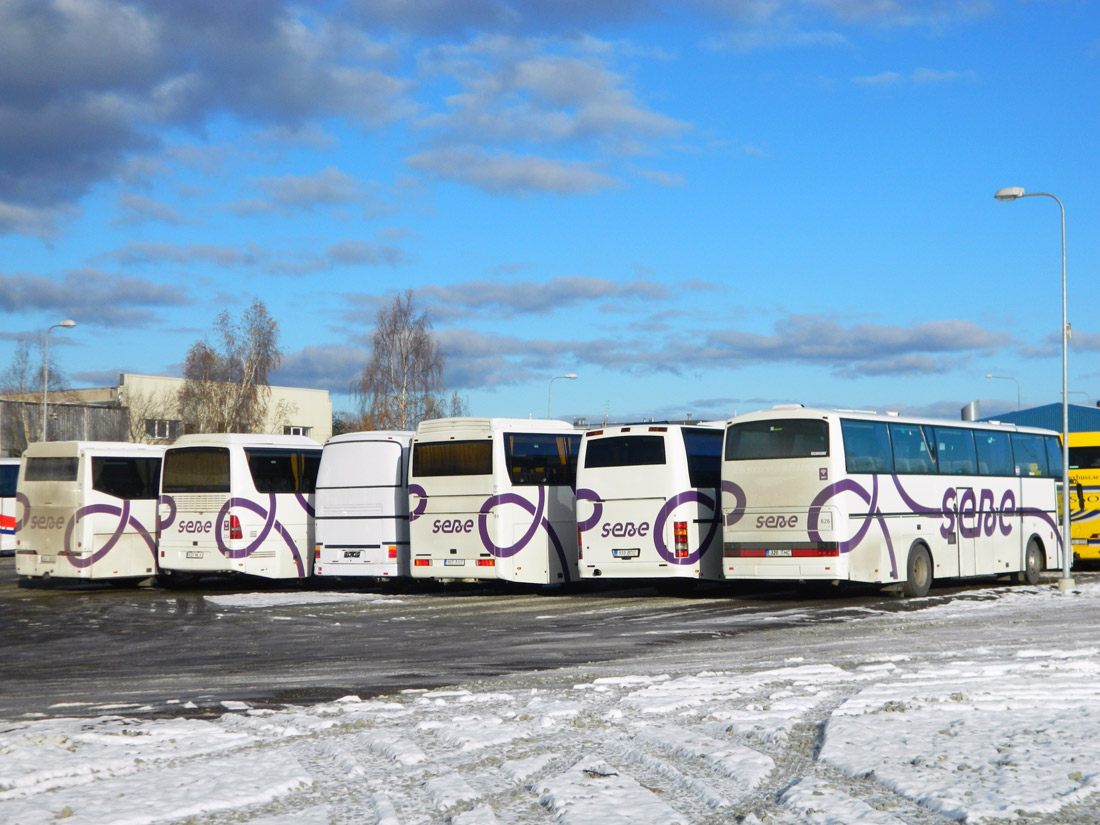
784 494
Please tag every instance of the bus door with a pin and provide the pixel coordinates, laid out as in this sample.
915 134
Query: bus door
967 528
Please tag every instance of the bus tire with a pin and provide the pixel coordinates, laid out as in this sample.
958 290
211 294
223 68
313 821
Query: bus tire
1034 561
918 572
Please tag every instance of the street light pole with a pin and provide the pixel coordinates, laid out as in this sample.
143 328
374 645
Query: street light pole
67 324
1009 378
550 388
1011 193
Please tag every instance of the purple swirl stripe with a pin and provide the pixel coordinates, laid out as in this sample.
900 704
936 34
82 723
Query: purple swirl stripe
738 510
421 505
538 520
584 494
302 500
166 523
21 499
124 520
268 515
663 514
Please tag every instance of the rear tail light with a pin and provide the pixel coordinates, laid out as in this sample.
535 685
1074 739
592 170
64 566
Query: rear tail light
680 534
235 531
422 562
486 562
317 552
580 545
393 552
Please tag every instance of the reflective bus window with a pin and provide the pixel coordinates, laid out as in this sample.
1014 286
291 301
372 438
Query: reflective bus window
128 478
786 438
994 453
1030 455
625 451
283 471
9 477
955 451
535 458
704 454
1054 456
912 445
1084 458
453 458
866 447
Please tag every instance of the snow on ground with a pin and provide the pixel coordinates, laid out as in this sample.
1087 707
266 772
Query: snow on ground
981 733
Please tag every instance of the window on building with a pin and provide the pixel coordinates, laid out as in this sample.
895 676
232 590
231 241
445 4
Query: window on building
162 429
294 429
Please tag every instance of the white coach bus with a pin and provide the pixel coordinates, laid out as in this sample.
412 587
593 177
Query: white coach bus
494 498
9 477
816 495
87 510
647 501
362 505
233 503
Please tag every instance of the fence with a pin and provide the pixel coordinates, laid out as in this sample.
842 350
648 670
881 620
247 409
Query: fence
21 423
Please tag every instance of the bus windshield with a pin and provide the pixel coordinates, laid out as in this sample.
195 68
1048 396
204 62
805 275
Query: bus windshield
625 451
453 458
777 438
196 470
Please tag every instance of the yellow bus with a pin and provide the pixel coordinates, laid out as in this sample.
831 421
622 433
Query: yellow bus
1084 494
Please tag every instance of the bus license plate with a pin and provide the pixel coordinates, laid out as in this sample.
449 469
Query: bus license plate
194 554
627 553
784 553
48 559
352 554
454 562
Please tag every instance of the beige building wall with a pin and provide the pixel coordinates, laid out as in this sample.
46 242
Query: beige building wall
154 411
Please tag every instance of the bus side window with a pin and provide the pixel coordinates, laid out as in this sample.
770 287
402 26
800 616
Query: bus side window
994 453
1029 455
866 447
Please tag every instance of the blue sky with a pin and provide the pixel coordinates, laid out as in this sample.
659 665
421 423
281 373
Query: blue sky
700 208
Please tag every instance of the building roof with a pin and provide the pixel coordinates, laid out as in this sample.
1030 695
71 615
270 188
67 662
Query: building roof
1049 417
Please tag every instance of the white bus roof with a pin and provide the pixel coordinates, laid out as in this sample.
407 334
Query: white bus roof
65 449
403 436
245 440
652 426
488 426
798 411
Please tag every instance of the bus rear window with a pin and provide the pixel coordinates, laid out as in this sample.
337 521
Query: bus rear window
52 469
453 458
535 458
625 451
9 477
785 438
196 470
128 478
283 471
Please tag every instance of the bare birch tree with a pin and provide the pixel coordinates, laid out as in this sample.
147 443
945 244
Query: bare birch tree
226 389
402 384
22 380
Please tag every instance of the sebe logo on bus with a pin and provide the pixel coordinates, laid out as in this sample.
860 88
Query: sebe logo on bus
47 522
196 526
624 529
777 522
453 525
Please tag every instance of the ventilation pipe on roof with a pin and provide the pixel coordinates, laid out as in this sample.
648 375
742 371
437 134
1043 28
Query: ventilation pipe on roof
971 411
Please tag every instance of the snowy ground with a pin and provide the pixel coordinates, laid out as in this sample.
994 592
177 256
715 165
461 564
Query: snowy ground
979 710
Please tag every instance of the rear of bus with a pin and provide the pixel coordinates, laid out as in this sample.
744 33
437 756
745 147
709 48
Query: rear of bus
494 499
238 504
647 502
775 465
89 510
1084 494
9 478
362 504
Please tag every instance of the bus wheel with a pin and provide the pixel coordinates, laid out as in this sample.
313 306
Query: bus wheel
1033 564
918 572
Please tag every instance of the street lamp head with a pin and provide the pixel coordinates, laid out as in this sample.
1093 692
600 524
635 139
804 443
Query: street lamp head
1009 193
570 375
989 375
67 323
